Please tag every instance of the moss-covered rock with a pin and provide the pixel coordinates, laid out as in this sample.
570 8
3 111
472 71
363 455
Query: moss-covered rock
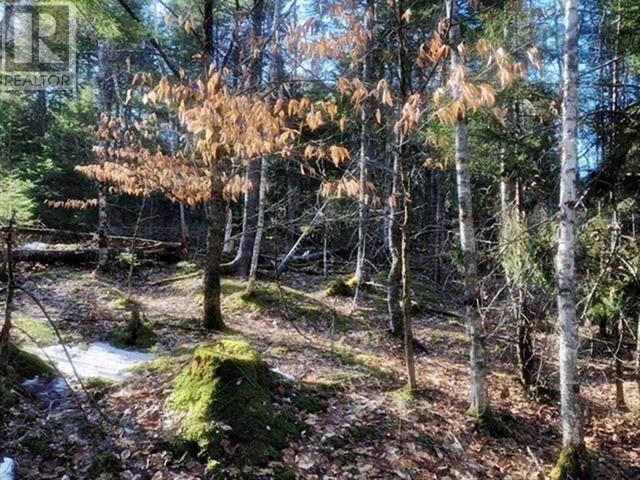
27 365
573 464
340 288
225 393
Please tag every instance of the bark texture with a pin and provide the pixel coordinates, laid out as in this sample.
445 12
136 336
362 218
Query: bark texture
212 319
474 326
394 280
241 264
366 144
570 410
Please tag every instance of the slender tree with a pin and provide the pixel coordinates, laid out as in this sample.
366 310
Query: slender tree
366 142
480 406
241 264
572 463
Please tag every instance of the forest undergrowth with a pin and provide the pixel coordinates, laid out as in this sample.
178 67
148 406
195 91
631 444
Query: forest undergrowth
357 418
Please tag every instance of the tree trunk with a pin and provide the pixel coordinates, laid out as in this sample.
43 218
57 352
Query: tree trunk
638 359
404 69
212 313
212 317
526 359
396 320
184 228
293 201
6 326
105 96
406 281
475 329
103 221
242 263
571 415
570 409
366 144
228 232
259 230
618 335
440 188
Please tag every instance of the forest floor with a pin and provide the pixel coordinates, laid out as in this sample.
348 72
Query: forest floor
369 429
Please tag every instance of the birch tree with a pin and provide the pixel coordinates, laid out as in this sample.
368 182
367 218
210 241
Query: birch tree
366 142
475 329
573 459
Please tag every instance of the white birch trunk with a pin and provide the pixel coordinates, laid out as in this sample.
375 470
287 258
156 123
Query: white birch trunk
474 326
570 414
366 144
253 271
228 231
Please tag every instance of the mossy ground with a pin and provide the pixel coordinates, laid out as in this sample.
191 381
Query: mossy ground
312 401
226 395
486 420
38 330
289 301
136 332
573 464
341 288
98 386
27 365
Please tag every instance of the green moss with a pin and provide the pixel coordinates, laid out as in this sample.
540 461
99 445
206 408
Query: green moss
337 441
28 365
267 296
136 333
127 304
573 464
186 266
279 351
284 473
225 392
311 402
105 465
425 416
426 293
362 432
98 386
404 395
486 420
161 364
38 446
38 329
340 288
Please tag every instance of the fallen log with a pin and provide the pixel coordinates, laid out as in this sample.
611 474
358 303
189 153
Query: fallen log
74 237
81 256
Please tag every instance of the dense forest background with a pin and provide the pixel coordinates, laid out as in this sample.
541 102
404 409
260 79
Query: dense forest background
422 178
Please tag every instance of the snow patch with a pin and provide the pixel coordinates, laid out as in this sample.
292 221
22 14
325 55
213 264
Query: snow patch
98 360
34 246
286 376
7 468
